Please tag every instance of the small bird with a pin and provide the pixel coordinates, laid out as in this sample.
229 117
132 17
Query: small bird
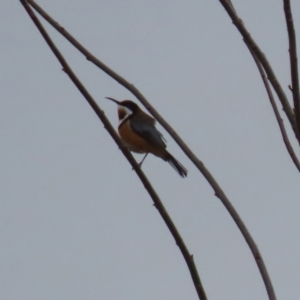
137 130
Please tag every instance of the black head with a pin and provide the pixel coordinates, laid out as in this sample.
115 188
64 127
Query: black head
130 105
126 103
126 108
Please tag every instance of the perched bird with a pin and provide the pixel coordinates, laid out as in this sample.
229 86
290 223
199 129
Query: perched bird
137 130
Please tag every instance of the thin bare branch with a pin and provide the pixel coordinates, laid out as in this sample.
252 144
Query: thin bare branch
293 58
265 63
199 164
277 114
158 204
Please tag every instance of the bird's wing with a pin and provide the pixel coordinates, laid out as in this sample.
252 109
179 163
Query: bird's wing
145 127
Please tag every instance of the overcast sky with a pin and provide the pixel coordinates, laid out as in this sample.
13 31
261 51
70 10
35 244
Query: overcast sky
75 221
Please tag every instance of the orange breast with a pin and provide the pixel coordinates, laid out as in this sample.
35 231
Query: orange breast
136 143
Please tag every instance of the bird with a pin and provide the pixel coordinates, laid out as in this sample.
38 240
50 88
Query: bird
137 130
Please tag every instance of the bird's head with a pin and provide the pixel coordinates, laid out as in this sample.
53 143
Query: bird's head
125 108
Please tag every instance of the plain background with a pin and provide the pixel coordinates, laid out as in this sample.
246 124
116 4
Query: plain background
75 222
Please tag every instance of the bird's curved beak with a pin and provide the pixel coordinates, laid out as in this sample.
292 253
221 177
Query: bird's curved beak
114 100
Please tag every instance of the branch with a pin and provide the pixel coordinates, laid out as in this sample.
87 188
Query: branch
277 114
265 63
157 202
199 164
293 59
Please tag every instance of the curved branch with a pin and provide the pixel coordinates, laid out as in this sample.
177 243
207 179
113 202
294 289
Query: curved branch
293 58
157 202
277 114
265 63
199 164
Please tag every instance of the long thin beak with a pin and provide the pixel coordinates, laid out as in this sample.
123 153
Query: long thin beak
114 100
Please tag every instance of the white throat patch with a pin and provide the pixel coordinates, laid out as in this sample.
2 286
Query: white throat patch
123 113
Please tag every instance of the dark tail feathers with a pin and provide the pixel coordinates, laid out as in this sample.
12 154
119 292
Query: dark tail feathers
182 171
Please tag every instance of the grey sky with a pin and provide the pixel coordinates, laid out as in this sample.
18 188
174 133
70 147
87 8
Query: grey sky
75 222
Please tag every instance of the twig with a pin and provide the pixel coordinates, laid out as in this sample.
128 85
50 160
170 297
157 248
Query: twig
199 164
293 58
265 63
158 204
277 114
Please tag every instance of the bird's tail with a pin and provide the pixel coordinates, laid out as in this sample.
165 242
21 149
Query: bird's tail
182 171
